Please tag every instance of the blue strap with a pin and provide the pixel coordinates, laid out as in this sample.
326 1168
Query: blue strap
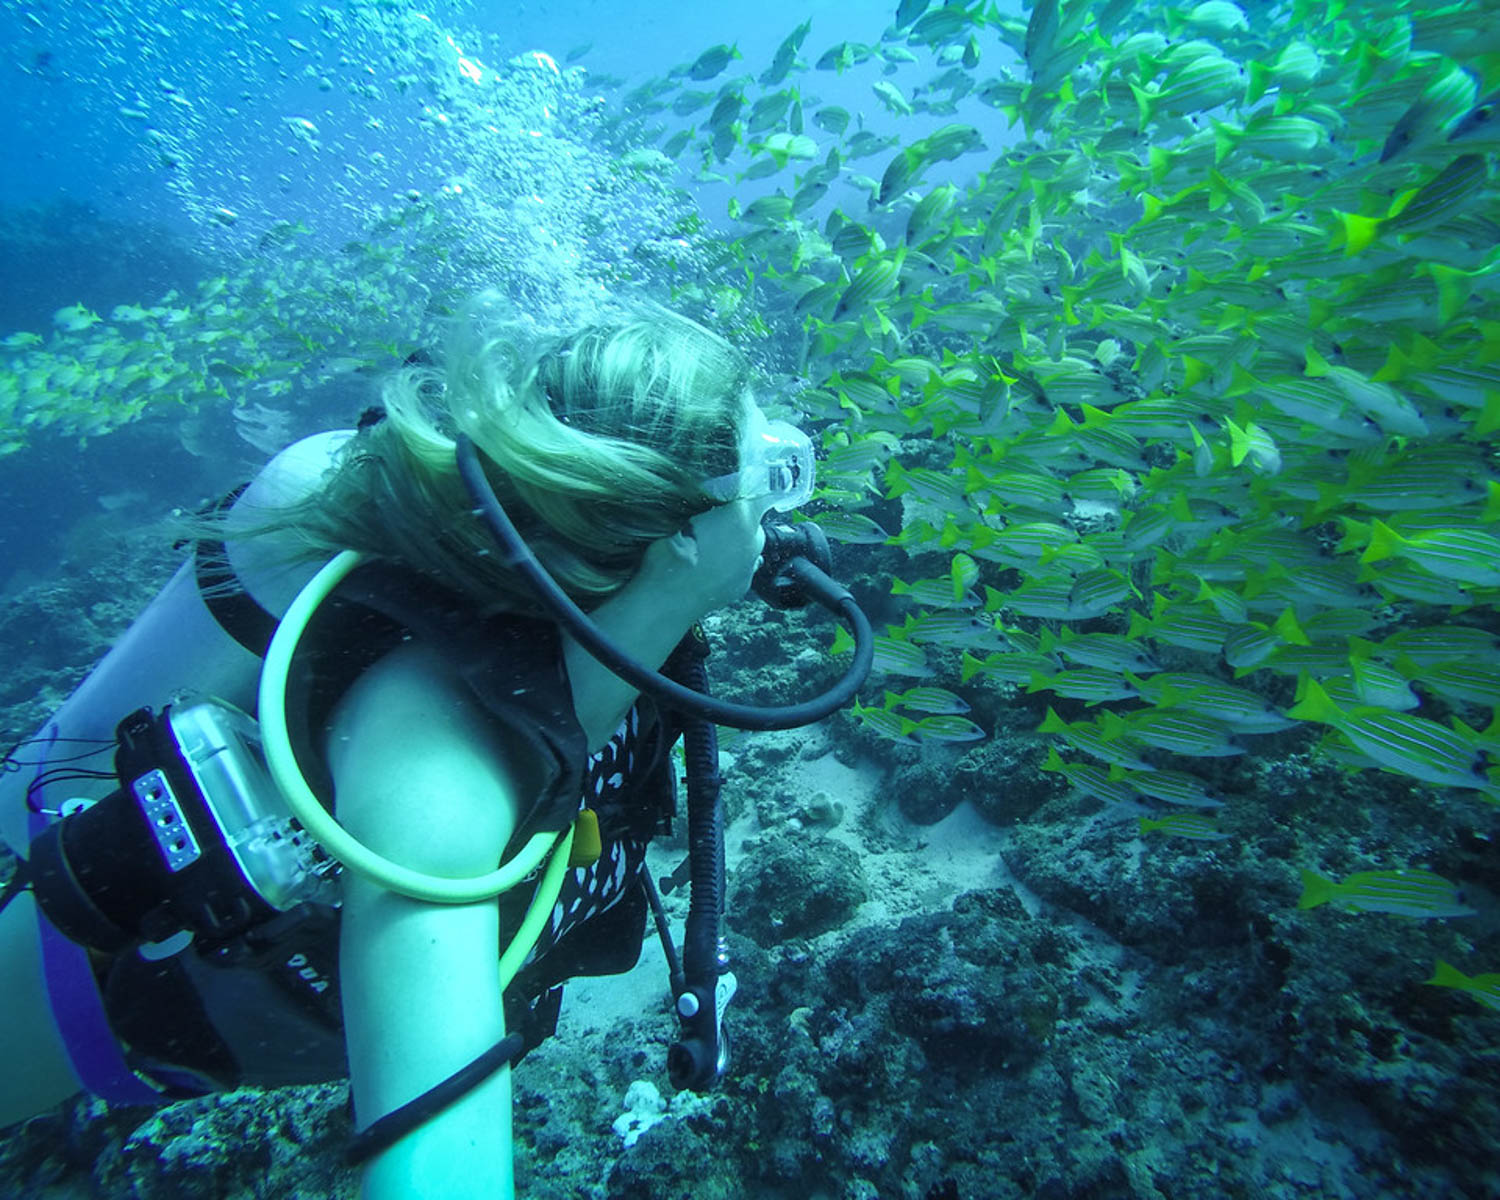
77 1007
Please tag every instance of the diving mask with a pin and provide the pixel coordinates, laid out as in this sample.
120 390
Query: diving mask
777 468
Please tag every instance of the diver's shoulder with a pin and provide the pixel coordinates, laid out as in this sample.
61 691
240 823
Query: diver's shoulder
412 676
410 749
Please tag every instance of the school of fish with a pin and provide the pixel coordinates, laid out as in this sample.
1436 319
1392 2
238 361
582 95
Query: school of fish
1201 370
1165 343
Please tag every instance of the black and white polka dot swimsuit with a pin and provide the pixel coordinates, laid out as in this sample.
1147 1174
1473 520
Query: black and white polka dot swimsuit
589 891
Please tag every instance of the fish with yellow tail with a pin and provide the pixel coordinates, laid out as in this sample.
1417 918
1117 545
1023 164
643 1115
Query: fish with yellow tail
1484 988
1398 741
1406 893
1197 827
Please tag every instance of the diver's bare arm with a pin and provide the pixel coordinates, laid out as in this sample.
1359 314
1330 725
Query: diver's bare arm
681 578
644 622
420 778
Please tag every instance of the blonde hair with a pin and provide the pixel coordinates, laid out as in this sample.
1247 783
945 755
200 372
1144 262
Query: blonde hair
597 444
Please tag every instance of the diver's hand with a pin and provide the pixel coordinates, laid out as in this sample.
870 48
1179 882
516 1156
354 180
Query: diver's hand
709 564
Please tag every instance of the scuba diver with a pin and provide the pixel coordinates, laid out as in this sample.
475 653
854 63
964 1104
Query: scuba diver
464 634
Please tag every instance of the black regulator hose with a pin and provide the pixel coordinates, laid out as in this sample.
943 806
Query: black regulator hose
794 570
698 1058
787 577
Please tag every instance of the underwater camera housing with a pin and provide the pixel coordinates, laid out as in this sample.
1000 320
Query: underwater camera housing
197 838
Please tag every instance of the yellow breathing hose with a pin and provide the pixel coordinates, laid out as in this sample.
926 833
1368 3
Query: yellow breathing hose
342 845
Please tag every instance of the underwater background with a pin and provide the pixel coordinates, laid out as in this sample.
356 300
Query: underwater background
1153 353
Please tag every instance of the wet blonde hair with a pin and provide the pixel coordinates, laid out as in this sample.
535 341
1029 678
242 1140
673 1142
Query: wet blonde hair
597 444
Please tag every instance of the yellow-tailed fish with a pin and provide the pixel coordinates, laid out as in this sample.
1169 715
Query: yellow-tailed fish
1178 732
1087 778
1467 555
947 728
786 56
909 10
832 118
1003 666
74 319
1089 738
936 592
1479 126
1448 190
712 61
935 700
1401 742
1484 988
1476 682
1238 708
1191 629
1407 893
1174 787
953 629
1441 105
1433 645
1089 684
853 529
1372 682
1108 651
892 656
886 724
843 55
1195 826
876 279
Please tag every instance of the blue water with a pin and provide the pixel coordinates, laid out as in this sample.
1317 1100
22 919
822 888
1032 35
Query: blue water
73 69
1150 1017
